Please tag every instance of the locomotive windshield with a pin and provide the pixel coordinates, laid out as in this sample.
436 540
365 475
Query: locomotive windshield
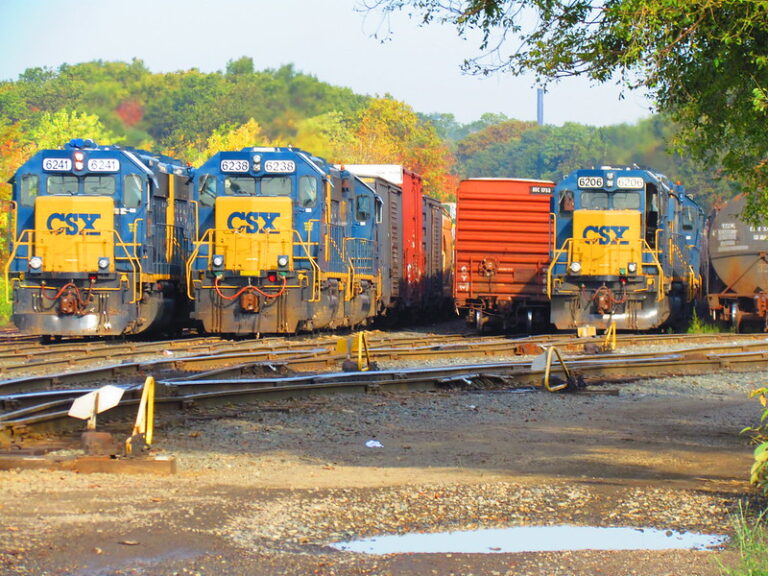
93 185
276 186
61 185
99 185
599 200
626 201
244 185
594 200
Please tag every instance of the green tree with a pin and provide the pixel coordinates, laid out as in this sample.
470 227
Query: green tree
55 130
703 61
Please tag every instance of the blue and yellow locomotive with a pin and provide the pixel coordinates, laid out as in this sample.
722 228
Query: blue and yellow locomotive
626 250
98 241
285 243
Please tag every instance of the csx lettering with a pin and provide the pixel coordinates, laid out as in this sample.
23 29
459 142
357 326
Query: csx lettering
606 234
248 222
70 223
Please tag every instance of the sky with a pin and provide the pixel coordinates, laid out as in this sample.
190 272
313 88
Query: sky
328 39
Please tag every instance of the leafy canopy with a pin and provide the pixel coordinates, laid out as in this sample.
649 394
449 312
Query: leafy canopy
704 62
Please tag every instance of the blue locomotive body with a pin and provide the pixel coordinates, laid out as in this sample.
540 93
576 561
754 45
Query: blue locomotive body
285 242
98 240
626 250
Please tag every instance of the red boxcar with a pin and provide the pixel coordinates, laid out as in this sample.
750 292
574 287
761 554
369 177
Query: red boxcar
502 252
403 208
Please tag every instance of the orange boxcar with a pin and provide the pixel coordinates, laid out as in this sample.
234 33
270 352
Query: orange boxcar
502 252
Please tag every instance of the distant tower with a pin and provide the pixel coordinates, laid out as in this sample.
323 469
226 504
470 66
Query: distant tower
540 106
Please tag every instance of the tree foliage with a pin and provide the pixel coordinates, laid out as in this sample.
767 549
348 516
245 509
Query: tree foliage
703 61
515 148
191 114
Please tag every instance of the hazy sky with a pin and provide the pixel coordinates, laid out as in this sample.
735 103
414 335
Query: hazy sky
325 38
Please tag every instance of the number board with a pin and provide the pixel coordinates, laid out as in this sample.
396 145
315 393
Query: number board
103 164
630 182
235 166
280 166
590 182
57 164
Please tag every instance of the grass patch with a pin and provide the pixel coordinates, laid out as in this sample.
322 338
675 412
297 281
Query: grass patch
702 326
750 540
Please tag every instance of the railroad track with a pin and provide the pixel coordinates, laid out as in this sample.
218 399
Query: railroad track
33 359
247 376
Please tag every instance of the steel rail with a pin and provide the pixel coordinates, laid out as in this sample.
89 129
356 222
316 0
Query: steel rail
183 394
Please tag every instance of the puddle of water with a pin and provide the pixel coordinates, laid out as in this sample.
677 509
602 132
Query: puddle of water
533 539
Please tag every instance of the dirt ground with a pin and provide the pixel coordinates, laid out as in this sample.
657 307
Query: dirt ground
265 489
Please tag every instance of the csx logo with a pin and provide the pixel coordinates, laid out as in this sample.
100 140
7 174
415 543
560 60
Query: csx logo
73 223
606 234
253 222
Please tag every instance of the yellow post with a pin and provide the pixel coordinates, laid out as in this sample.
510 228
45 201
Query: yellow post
362 346
144 427
610 337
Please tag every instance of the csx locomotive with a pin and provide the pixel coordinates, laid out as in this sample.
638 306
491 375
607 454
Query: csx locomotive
98 241
625 250
287 242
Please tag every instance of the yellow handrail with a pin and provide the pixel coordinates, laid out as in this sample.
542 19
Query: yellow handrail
195 253
313 263
134 261
567 247
7 269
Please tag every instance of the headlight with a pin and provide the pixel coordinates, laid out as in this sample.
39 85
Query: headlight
35 263
575 267
282 261
218 260
103 263
632 267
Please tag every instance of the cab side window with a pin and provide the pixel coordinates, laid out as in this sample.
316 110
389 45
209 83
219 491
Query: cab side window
207 189
307 191
363 208
30 188
133 191
566 201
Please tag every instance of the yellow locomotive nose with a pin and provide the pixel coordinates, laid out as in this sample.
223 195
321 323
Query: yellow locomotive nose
254 234
74 234
605 242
